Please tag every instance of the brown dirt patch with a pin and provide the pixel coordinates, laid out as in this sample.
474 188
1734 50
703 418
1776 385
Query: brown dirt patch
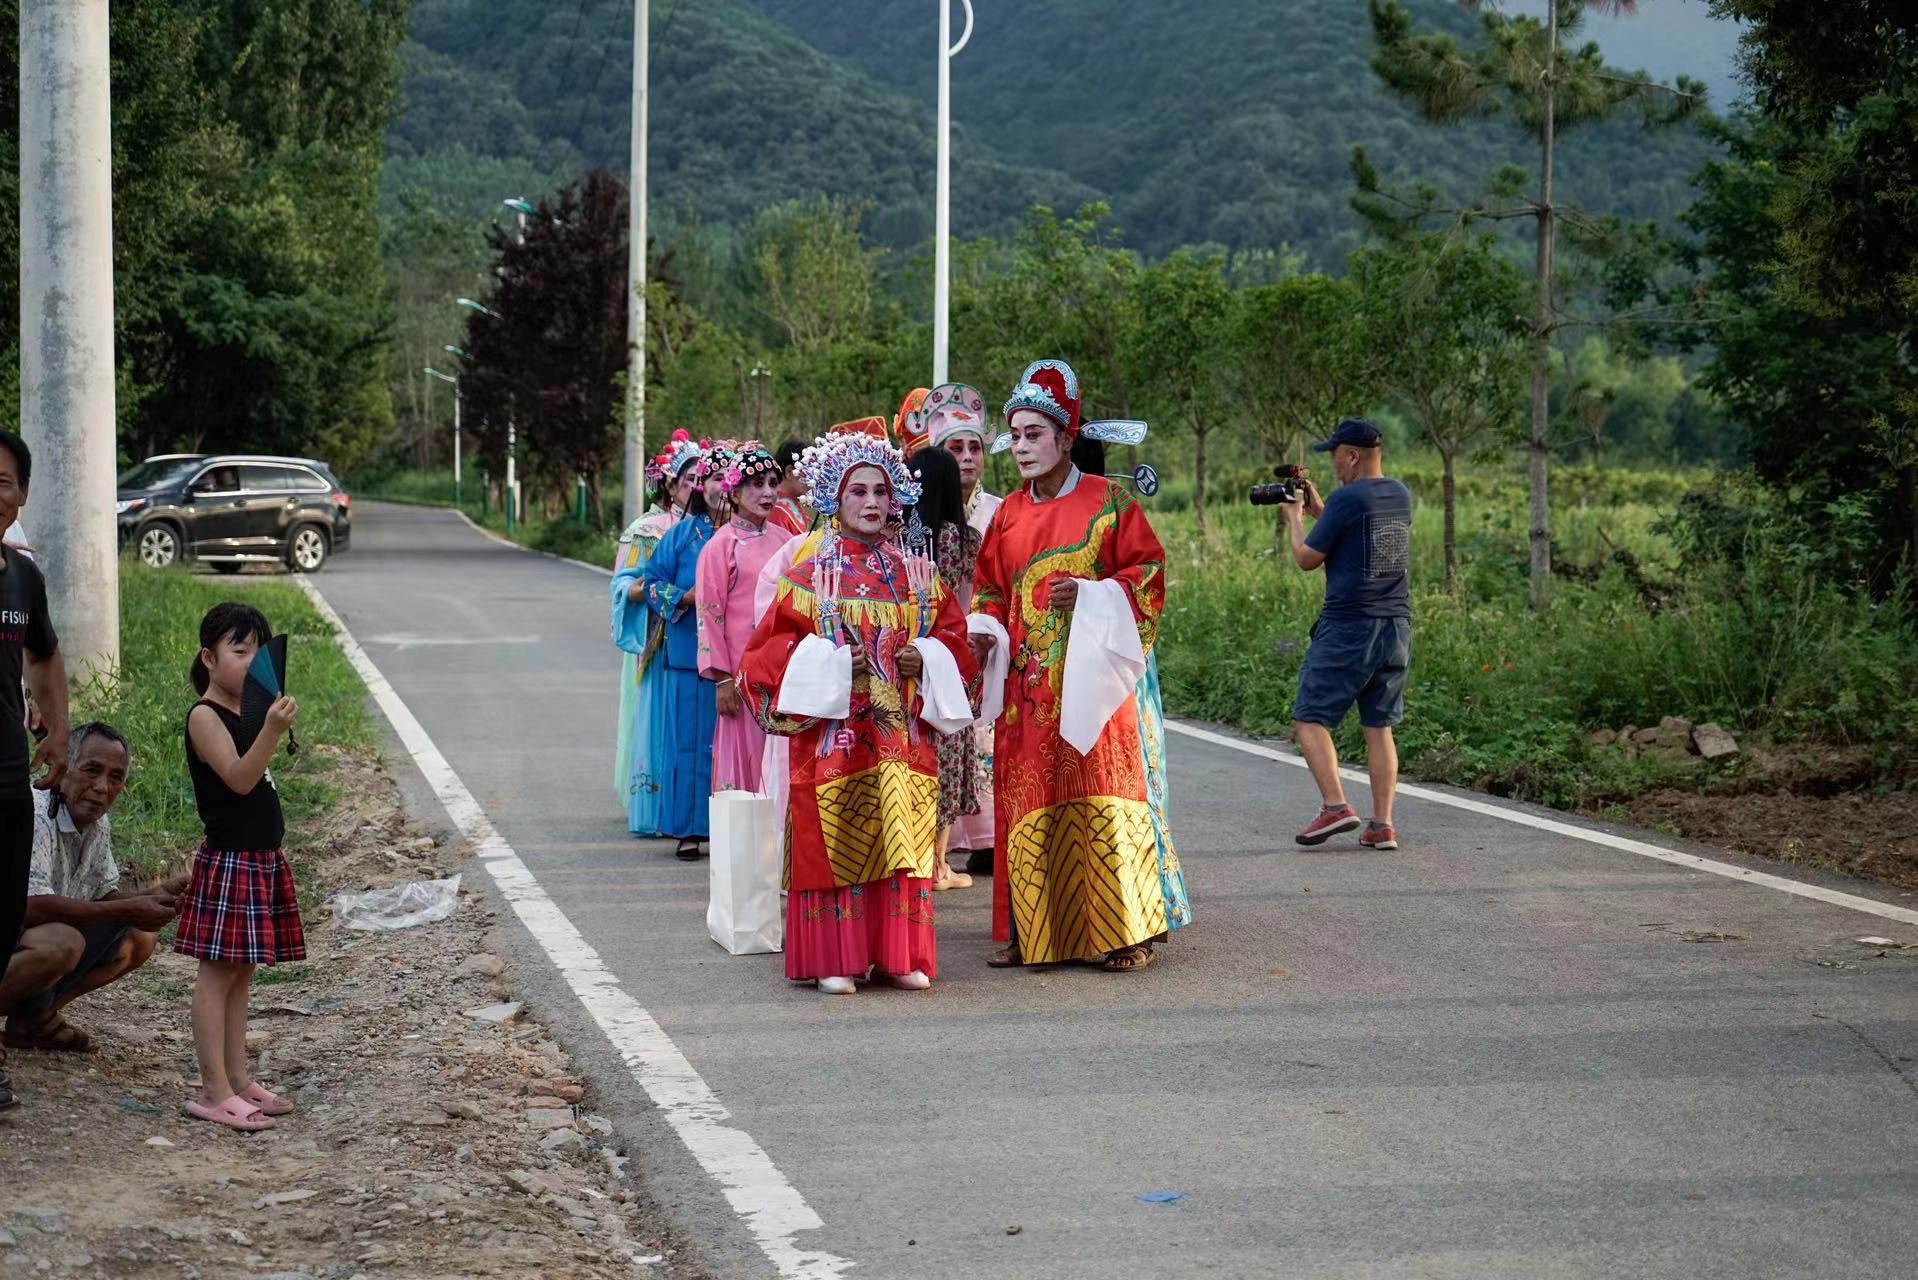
423 1135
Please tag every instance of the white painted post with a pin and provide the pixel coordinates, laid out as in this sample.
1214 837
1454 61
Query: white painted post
66 322
634 472
942 215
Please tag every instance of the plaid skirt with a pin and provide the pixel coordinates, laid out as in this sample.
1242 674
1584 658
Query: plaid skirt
239 909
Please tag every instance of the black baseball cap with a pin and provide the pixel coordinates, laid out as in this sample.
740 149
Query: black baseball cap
1356 432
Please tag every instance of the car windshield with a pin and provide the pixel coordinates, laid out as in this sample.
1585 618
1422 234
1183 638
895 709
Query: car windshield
153 474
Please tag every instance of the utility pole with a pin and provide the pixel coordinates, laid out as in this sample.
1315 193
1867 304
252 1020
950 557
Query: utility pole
634 471
66 321
455 382
942 214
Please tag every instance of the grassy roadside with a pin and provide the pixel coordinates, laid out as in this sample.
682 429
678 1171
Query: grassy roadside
155 824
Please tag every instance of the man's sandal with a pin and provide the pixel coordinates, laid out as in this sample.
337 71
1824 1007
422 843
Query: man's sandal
1005 958
268 1102
54 1034
1128 959
235 1113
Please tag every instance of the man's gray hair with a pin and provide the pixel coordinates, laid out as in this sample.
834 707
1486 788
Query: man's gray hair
80 734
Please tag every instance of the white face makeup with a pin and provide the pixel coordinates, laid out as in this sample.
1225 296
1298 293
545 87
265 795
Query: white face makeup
1037 443
683 487
865 500
970 452
756 497
715 489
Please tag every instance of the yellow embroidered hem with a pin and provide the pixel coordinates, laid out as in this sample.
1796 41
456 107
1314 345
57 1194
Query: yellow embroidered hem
1084 879
878 822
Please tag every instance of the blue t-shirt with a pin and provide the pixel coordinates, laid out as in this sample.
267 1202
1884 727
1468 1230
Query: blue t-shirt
1366 537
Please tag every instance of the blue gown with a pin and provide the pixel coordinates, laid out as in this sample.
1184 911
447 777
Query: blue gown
688 711
637 630
1178 907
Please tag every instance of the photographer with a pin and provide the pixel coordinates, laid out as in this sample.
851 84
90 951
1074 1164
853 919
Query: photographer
1361 645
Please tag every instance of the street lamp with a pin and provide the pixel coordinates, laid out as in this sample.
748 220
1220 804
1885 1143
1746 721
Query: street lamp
447 377
512 433
942 217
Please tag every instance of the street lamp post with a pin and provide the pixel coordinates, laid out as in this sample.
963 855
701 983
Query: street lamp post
633 463
447 377
942 216
512 433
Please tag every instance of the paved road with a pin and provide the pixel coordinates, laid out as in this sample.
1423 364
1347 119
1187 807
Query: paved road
1492 1054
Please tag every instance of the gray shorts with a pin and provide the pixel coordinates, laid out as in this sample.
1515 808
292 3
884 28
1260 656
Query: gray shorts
103 942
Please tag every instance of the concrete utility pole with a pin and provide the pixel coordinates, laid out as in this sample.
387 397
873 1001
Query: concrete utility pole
942 215
66 322
634 472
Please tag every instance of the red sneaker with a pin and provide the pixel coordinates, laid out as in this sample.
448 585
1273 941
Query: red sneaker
1379 835
1330 822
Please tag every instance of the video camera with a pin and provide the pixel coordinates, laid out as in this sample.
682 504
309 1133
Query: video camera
1288 489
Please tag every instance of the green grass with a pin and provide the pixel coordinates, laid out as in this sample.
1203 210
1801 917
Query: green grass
155 824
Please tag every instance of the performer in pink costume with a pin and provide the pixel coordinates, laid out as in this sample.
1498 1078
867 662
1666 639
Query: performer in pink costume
728 573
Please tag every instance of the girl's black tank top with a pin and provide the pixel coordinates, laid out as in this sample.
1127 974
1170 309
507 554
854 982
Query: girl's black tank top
249 822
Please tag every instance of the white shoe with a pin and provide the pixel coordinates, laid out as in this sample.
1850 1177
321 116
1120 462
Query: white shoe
914 981
838 986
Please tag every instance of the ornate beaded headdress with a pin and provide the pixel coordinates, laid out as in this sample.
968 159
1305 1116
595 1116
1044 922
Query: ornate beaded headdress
833 457
683 450
751 460
1052 388
716 458
953 409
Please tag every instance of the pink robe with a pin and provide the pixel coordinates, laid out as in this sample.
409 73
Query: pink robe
728 572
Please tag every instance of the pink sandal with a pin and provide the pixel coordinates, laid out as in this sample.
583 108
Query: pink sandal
268 1102
235 1113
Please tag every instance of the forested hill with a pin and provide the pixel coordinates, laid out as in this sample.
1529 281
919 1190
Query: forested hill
1221 121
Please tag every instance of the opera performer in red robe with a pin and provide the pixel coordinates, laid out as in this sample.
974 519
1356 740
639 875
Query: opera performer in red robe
861 661
1073 576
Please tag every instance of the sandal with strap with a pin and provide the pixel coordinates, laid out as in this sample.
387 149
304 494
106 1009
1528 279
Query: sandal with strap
1129 959
54 1034
689 851
268 1102
235 1113
1005 958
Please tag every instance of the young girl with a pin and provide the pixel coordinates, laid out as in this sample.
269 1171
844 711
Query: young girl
238 910
953 545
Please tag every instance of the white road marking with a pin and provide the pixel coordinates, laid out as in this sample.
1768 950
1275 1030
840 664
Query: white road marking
772 1209
1885 910
409 641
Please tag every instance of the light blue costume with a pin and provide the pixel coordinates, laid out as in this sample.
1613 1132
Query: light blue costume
687 706
1178 907
638 631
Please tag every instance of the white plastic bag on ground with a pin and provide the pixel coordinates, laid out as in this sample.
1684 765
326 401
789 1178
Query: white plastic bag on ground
743 910
398 906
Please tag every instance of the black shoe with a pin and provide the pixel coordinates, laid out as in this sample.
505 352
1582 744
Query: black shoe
7 1100
689 851
979 862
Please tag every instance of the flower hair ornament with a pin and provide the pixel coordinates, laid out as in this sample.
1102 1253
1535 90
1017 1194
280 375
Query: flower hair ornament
1051 387
751 460
831 458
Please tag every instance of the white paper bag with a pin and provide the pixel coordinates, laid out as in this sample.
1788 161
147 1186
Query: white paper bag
743 911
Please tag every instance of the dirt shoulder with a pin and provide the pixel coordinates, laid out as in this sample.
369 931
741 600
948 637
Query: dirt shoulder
428 1142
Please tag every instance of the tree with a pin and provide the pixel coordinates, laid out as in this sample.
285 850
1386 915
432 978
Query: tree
545 356
813 275
1450 314
1301 359
1523 69
1838 82
1184 305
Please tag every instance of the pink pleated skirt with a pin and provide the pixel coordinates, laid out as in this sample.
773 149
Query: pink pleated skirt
840 933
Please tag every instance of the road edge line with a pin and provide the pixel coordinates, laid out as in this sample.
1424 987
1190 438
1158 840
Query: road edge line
1690 861
771 1208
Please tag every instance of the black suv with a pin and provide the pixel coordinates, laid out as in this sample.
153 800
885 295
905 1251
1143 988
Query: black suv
234 509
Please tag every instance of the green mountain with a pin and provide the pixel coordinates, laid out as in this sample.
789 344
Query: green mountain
1210 121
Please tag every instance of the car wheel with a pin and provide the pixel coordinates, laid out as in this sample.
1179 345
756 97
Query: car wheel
306 550
159 546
